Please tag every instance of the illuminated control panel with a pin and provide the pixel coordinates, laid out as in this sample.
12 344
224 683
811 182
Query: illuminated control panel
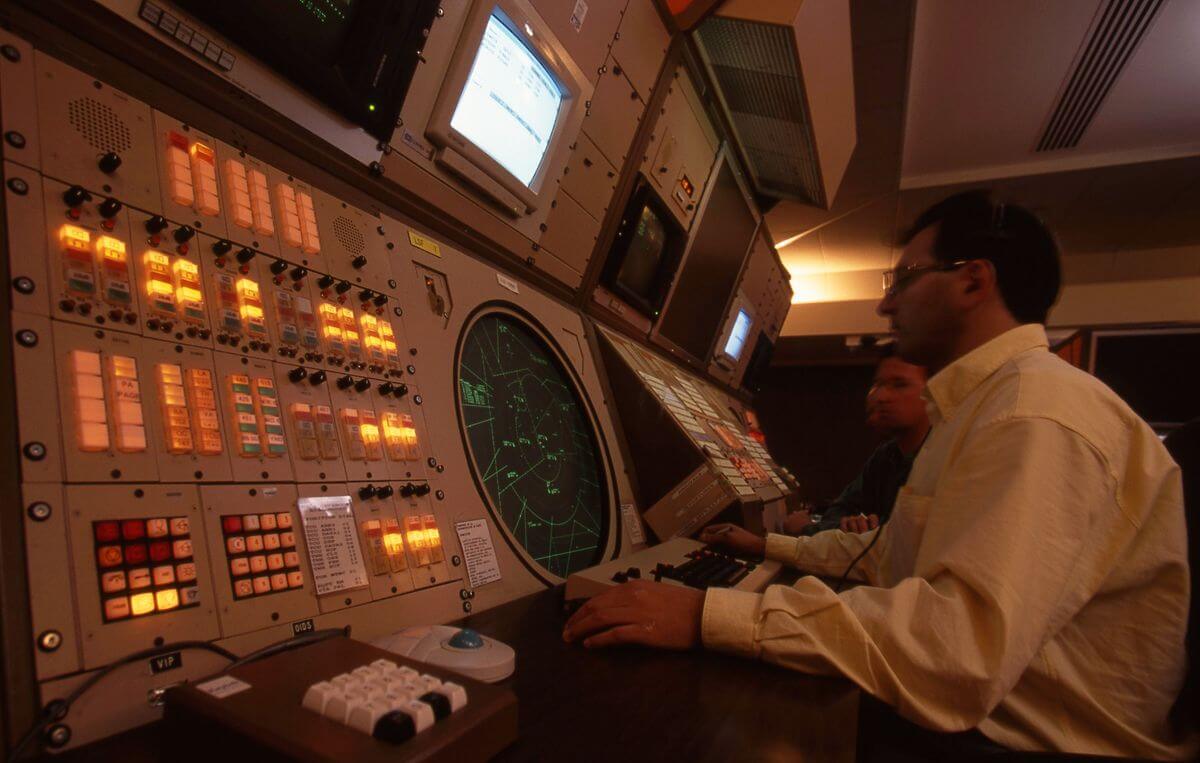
297 219
261 552
424 539
145 566
384 543
91 416
191 170
129 427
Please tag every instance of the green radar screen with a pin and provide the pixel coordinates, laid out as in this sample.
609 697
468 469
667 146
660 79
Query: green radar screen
531 443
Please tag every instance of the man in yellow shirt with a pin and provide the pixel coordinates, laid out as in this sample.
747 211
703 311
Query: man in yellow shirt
1032 582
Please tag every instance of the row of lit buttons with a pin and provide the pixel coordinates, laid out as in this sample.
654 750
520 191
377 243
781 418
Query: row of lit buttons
171 26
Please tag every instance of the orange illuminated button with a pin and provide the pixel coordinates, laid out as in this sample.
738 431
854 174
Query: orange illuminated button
156 528
258 564
235 544
164 575
243 588
279 581
239 566
262 585
186 572
204 180
182 549
111 582
179 170
141 603
254 543
268 521
237 193
189 596
289 215
295 579
166 599
250 522
291 559
287 539
283 520
271 541
107 532
180 526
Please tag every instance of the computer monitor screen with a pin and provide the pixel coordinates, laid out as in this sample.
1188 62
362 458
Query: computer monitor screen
737 338
645 253
510 103
647 244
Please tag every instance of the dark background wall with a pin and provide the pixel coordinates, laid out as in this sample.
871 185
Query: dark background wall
812 417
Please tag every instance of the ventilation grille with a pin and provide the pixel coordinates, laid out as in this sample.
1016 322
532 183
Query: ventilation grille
757 73
100 126
348 235
1114 38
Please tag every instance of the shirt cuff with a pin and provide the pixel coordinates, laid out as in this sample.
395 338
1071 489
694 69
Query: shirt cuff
729 621
782 548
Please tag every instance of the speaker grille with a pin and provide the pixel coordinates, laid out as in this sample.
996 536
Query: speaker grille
756 70
348 235
100 126
1114 37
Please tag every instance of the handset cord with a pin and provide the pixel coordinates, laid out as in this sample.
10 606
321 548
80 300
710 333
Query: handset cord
846 574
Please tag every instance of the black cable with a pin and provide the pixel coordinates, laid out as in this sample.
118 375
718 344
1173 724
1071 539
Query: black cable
288 645
846 574
57 709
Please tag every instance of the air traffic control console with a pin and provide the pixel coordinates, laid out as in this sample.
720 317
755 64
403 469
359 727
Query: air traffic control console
263 381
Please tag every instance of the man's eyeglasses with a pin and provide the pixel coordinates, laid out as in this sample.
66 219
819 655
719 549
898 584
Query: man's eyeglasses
896 279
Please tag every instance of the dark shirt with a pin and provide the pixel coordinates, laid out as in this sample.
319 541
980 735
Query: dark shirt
873 491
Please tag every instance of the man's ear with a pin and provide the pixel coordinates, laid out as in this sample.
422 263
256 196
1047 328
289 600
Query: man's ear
979 278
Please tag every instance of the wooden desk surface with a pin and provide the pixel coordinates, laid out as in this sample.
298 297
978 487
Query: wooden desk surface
641 704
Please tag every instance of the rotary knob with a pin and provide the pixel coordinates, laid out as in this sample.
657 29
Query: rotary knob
109 163
342 287
358 262
75 196
278 266
109 208
183 234
386 388
298 375
407 489
381 300
344 382
366 491
385 491
298 273
220 248
365 295
156 224
423 489
316 377
244 255
325 282
362 385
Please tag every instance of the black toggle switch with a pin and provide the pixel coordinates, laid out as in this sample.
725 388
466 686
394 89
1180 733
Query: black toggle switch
156 224
298 375
362 385
365 295
109 163
401 390
220 248
358 262
386 388
423 489
381 300
298 273
183 234
245 254
407 489
109 208
316 377
342 287
366 491
385 491
344 382
325 282
75 196
278 266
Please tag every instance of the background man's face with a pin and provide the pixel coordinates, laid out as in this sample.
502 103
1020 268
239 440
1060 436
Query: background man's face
894 402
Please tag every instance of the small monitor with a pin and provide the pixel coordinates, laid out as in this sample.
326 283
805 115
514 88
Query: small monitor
737 338
509 104
645 253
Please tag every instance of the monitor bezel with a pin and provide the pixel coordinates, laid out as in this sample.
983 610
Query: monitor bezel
575 87
644 195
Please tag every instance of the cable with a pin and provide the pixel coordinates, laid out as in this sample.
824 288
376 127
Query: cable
56 710
288 645
846 574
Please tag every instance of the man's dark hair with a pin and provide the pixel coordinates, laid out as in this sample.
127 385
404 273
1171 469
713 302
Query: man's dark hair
972 225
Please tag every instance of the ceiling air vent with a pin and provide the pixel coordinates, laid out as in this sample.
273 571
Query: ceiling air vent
1115 35
783 75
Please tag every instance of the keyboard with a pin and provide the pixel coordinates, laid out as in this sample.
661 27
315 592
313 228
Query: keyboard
679 561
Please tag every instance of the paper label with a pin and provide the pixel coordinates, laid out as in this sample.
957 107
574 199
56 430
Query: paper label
225 686
424 244
633 523
337 563
478 552
579 14
508 283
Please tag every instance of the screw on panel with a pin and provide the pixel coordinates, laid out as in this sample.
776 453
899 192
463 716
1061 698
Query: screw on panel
376 169
35 451
15 139
58 735
418 399
455 560
49 641
432 462
11 53
24 284
18 186
441 494
39 511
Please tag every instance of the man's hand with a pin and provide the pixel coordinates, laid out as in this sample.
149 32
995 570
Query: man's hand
737 539
794 523
860 524
640 612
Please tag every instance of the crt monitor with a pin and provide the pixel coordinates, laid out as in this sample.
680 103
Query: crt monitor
356 56
645 252
510 102
737 337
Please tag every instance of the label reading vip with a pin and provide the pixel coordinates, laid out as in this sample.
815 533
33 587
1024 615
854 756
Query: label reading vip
166 662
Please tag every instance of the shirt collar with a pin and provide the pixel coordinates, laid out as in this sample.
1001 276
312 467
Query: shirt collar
950 386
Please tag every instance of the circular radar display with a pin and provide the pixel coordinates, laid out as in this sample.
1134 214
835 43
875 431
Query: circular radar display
532 445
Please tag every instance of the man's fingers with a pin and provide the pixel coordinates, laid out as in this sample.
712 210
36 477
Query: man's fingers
872 521
599 620
846 524
640 633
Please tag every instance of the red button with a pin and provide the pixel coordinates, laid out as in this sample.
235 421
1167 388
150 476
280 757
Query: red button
232 524
107 532
109 556
159 551
135 553
133 529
